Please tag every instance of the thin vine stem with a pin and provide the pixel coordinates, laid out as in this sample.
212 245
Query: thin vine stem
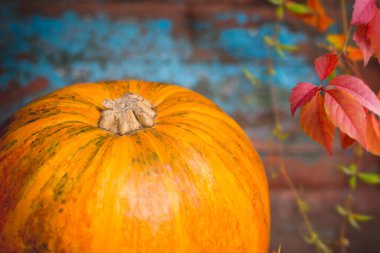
344 16
346 39
354 69
315 240
301 204
343 243
320 245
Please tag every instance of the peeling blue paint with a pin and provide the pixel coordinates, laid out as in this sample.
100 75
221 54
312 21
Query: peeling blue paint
241 18
224 16
72 48
245 44
255 18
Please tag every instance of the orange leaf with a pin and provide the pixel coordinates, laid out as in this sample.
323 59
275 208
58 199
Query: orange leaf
315 123
337 40
345 140
354 53
347 114
373 134
318 18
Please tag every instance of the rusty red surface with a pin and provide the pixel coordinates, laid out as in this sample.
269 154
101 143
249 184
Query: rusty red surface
15 92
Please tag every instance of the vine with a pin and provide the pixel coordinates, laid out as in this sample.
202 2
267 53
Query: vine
342 100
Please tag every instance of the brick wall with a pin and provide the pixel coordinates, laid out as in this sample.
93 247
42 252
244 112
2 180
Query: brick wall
203 45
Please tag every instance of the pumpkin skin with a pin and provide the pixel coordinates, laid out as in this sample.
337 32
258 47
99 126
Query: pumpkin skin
191 183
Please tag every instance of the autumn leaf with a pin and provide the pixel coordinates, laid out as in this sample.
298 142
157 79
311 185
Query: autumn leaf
301 94
298 8
325 64
317 18
337 41
347 114
369 178
373 134
354 53
373 34
315 123
363 42
364 11
359 90
276 2
345 140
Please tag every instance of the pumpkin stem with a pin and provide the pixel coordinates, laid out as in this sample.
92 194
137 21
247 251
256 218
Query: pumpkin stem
125 115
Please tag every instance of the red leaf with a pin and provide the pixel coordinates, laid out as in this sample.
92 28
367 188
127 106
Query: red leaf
359 90
363 42
315 123
301 94
364 10
325 64
373 34
345 140
347 114
373 134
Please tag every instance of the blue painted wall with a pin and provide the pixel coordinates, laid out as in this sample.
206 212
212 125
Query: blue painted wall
72 48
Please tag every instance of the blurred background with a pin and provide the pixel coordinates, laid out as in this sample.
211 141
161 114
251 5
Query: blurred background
206 46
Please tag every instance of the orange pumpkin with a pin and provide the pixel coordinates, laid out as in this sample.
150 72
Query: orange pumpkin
175 174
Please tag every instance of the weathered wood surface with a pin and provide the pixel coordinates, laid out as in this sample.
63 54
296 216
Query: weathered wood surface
203 45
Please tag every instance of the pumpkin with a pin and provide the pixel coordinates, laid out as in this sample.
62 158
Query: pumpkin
129 166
